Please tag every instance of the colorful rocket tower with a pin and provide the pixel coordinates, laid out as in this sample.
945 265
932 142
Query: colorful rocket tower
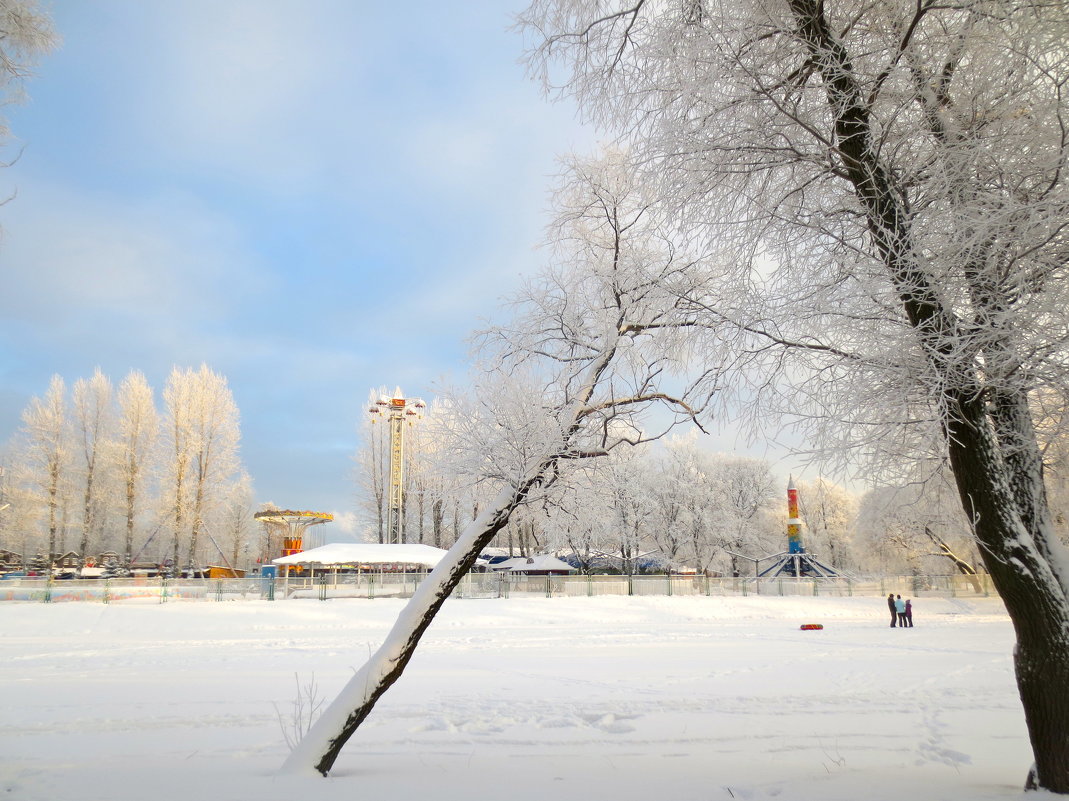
794 523
795 562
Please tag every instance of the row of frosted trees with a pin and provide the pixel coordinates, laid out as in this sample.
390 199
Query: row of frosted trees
97 469
671 506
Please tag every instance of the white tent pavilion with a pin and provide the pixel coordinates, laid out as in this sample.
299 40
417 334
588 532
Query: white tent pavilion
358 554
541 564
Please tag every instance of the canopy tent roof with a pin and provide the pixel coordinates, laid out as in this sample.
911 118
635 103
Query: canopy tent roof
293 517
362 553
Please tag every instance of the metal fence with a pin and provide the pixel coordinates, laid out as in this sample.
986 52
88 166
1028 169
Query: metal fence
475 585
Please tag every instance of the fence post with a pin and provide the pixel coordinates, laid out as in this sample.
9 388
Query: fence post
668 577
163 589
106 595
630 585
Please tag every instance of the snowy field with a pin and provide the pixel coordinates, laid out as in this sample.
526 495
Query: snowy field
672 699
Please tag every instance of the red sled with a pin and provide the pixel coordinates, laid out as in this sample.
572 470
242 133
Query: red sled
812 626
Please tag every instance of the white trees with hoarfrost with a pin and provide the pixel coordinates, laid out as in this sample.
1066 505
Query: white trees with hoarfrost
93 430
592 341
216 433
828 512
138 429
47 454
200 444
889 180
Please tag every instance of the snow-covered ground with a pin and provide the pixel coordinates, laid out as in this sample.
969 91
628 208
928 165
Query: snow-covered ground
612 698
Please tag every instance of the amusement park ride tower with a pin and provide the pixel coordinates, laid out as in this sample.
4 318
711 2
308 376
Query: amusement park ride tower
292 525
795 562
400 412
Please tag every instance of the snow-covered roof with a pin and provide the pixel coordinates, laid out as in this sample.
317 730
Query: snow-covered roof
362 553
527 564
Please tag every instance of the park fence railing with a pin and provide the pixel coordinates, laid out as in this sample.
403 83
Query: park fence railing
328 585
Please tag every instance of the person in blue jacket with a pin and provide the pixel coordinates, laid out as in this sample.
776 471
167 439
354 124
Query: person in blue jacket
900 609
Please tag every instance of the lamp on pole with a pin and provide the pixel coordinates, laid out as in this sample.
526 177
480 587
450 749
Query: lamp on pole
400 412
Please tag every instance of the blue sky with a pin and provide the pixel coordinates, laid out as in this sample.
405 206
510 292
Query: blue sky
313 198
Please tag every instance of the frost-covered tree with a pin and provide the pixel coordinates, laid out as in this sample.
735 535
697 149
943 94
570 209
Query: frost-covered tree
138 429
623 480
828 512
889 181
746 502
922 523
711 508
200 441
93 431
236 522
600 515
177 450
47 449
592 341
215 434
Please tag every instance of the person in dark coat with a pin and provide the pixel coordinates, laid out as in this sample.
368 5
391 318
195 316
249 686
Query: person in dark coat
891 606
909 613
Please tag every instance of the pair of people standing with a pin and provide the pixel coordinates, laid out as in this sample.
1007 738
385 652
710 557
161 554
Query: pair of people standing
901 611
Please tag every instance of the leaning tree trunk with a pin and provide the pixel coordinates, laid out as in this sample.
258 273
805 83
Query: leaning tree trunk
323 742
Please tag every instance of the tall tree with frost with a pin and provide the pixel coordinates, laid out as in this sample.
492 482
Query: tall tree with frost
46 428
236 522
827 511
889 179
138 428
591 342
92 424
214 436
177 442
